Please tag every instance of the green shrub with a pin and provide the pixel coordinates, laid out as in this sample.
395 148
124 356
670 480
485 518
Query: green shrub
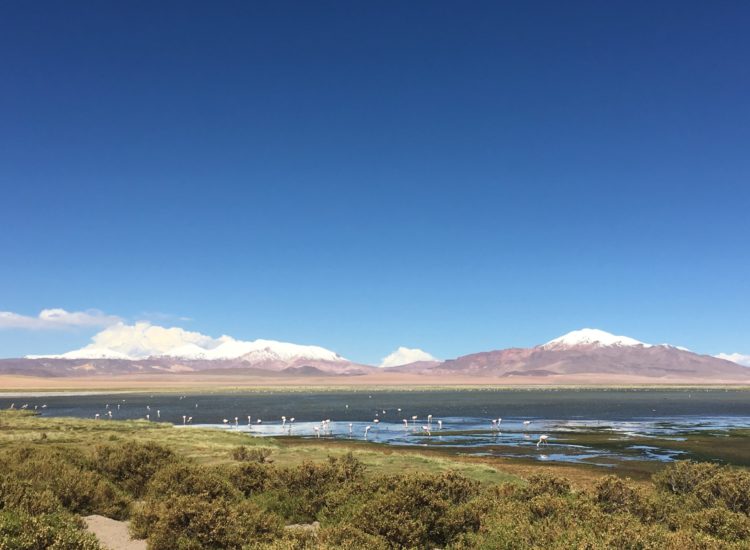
722 523
730 487
414 510
683 477
193 522
24 531
131 464
251 454
616 495
178 479
546 483
42 471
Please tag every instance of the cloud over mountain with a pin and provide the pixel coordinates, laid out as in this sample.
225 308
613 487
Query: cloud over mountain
404 356
738 358
142 340
56 318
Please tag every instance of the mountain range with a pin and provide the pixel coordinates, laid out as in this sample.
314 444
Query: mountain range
579 356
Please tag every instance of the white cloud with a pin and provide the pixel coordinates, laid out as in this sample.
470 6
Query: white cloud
143 339
738 358
57 318
404 356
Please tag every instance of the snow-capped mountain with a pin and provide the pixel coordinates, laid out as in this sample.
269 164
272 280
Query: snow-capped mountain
591 337
87 352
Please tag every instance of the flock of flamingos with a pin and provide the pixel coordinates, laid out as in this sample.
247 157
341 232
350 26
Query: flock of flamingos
324 427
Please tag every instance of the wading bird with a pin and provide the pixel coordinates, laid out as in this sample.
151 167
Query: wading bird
367 429
426 429
96 416
440 424
184 419
542 440
317 431
283 421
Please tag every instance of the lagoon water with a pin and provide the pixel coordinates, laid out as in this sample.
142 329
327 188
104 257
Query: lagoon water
465 415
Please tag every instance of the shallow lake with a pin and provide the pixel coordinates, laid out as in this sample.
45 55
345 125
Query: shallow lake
578 424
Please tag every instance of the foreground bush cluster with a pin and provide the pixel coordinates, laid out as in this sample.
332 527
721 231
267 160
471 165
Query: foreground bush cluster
250 503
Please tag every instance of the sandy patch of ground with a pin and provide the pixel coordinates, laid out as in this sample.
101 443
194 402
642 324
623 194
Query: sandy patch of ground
112 534
206 381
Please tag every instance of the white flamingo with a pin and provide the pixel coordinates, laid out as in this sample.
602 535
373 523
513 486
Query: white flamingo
350 428
526 424
317 431
259 421
406 424
96 416
249 419
426 429
542 440
283 421
414 419
184 419
367 429
109 413
158 413
236 422
225 421
440 424
190 419
148 417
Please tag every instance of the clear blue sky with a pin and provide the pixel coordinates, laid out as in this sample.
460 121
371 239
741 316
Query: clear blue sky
451 176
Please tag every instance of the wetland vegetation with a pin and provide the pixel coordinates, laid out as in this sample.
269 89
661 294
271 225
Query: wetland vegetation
207 488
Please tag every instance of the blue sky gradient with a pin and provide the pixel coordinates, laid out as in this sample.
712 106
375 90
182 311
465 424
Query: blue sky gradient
450 176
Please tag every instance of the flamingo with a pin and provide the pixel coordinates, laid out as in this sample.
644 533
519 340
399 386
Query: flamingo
236 422
184 419
426 429
249 418
526 424
190 419
158 413
317 431
44 406
542 440
109 413
350 428
283 421
96 416
440 424
258 421
429 419
148 417
414 419
225 421
367 429
406 424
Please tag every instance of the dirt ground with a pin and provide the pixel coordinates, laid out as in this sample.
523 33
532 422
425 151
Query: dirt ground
112 534
188 381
